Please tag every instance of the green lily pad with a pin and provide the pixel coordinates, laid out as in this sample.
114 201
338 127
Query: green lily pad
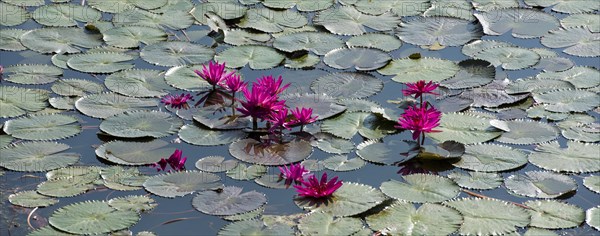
565 6
60 40
324 106
331 144
48 230
246 216
491 158
16 101
134 153
347 85
510 58
134 203
5 140
350 199
568 100
272 181
240 37
37 156
421 188
225 10
540 184
218 117
10 39
271 21
33 74
368 125
408 70
472 73
319 223
244 172
105 105
65 187
384 42
101 62
65 14
132 36
138 83
347 20
92 217
174 53
464 128
316 5
175 20
592 183
492 95
31 199
523 23
116 6
577 20
387 152
43 127
400 8
255 227
577 157
581 134
581 77
184 77
257 57
317 42
592 217
342 163
252 151
444 31
526 132
357 58
137 124
536 85
182 183
229 201
578 41
488 216
197 135
215 164
122 179
402 218
554 214
76 87
477 180
12 15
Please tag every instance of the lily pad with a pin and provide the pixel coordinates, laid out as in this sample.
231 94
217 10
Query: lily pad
527 132
60 40
357 58
578 41
105 105
37 156
581 77
179 184
65 14
12 15
219 117
65 187
565 6
134 153
239 37
255 227
138 83
444 31
76 87
331 144
225 10
175 20
101 62
33 74
16 101
257 57
491 158
324 106
554 214
174 53
319 223
577 157
421 188
586 20
137 124
592 183
31 199
116 6
403 218
132 36
92 217
347 20
244 172
488 216
316 5
387 152
229 201
10 39
319 43
568 100
540 184
347 85
184 77
472 73
384 42
271 21
215 164
523 23
201 136
252 151
134 203
43 127
465 129
476 180
350 199
368 125
408 70
342 163
536 85
510 58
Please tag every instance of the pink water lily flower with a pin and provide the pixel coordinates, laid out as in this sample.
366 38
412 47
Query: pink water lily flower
176 162
213 74
278 119
177 101
419 88
233 83
293 174
313 188
259 102
271 84
303 116
420 120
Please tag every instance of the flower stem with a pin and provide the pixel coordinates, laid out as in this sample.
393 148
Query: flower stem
422 138
254 123
233 103
301 128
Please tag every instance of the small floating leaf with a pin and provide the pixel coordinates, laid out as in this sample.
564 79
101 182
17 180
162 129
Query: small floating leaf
421 188
382 42
487 216
255 227
403 218
33 74
229 201
244 172
540 184
174 53
324 106
31 199
592 217
554 214
347 85
43 127
491 158
578 41
215 164
510 58
134 203
76 87
101 62
319 223
476 180
350 199
271 21
142 123
134 153
60 40
527 132
577 157
37 156
319 43
408 70
347 20
201 136
92 217
132 36
357 58
568 100
252 151
464 128
445 31
105 105
179 184
342 163
257 57
138 83
65 14
522 22
16 101
592 183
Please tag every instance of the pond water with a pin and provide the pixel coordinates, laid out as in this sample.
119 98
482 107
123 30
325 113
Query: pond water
177 215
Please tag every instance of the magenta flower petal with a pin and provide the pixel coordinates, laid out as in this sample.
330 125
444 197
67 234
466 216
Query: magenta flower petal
420 120
213 74
303 116
177 101
318 189
419 88
259 102
233 82
271 84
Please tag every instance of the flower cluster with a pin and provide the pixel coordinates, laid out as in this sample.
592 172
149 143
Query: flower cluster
177 101
306 184
176 162
423 118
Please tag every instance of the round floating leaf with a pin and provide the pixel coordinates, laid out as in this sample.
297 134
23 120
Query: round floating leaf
524 23
368 125
37 156
246 216
252 151
421 188
272 181
566 6
121 179
305 61
255 227
387 152
317 42
116 6
472 73
65 14
101 62
491 158
65 187
510 58
540 184
5 140
476 180
196 135
175 20
478 46
342 163
554 214
104 105
527 132
133 203
215 164
16 101
139 124
323 105
313 165
132 36
316 5
568 100
577 157
243 172
271 21
319 223
492 95
331 144
382 42
578 41
536 85
403 218
581 77
592 183
92 217
540 112
592 217
48 230
488 5
488 216
33 74
464 128
12 15
226 10
350 199
257 57
347 20
444 31
138 83
60 40
134 153
176 53
590 21
347 85
76 87
229 201
10 39
408 70
357 58
219 117
400 8
43 127
31 199
179 184
184 77
244 37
